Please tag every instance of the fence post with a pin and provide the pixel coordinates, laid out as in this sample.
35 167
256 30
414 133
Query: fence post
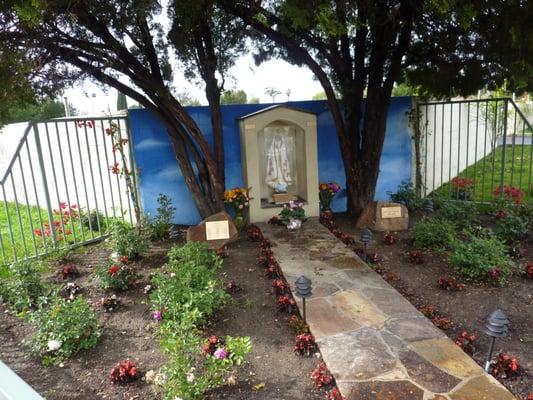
45 183
504 144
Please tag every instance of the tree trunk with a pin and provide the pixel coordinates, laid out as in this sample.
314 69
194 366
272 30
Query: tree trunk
213 98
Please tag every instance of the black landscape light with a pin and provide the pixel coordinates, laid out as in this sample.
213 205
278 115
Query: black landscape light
303 290
174 232
428 206
366 236
497 326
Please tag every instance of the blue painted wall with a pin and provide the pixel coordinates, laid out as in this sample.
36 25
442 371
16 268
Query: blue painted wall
159 172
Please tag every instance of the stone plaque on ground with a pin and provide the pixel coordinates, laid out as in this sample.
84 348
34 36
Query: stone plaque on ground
384 216
216 231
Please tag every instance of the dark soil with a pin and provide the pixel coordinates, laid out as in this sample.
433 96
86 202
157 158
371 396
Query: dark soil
272 371
466 309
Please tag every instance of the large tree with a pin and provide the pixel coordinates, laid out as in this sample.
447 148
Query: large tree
357 47
119 44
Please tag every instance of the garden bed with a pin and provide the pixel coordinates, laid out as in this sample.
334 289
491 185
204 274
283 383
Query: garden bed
272 369
466 309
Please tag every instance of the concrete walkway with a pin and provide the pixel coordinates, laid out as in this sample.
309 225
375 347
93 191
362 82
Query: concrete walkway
376 344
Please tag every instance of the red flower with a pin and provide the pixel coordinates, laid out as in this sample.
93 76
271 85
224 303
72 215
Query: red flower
114 168
38 232
335 394
529 271
108 131
124 372
113 270
321 376
124 259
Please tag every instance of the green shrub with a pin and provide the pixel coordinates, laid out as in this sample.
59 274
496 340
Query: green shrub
126 240
63 329
91 219
511 226
23 285
433 233
116 276
477 257
160 225
406 195
463 213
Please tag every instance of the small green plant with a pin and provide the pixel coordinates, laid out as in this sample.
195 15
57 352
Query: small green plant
127 241
160 225
116 276
510 225
406 195
463 213
482 258
22 285
63 329
433 233
94 220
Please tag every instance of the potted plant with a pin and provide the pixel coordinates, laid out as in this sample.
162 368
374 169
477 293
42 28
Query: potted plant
292 215
237 198
326 193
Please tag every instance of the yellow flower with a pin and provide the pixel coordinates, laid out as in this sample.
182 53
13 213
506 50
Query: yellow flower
323 186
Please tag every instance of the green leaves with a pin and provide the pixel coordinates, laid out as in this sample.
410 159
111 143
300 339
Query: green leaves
433 233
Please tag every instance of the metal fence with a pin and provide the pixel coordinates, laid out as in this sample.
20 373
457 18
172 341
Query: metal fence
65 184
474 149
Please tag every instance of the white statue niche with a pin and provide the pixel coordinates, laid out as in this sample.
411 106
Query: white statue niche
279 157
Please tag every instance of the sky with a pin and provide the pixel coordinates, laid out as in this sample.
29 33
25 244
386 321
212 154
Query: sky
89 99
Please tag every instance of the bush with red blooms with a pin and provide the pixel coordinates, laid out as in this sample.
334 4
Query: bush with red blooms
305 344
286 304
450 284
529 271
60 226
212 344
345 238
124 259
467 342
272 271
416 257
124 372
428 310
265 244
69 270
70 291
389 239
254 233
335 394
530 396
506 366
442 323
321 376
510 193
391 277
232 287
280 287
371 257
222 252
298 325
462 188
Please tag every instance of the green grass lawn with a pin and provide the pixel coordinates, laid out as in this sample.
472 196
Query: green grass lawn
21 240
487 172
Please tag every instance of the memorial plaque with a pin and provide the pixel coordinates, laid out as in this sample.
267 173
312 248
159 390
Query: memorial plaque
391 212
217 230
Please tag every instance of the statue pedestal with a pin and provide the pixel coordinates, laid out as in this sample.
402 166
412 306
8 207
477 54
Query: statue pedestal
282 198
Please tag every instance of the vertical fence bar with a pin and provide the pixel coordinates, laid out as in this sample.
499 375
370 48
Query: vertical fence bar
475 153
442 147
108 172
2 248
426 154
493 145
36 195
467 143
126 177
529 185
19 218
92 179
84 183
450 158
522 156
9 226
78 204
28 211
458 148
100 174
45 184
504 148
485 150
513 148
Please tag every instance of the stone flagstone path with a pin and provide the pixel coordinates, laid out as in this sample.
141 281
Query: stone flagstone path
376 344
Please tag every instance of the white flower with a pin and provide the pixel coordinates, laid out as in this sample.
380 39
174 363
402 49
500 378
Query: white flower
114 256
150 376
54 345
172 274
160 379
190 377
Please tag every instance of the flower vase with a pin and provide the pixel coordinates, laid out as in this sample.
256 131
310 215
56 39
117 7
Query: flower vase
239 219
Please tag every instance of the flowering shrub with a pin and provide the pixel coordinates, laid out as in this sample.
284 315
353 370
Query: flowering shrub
467 342
254 233
428 310
272 271
335 394
462 188
159 227
69 270
450 284
232 287
506 366
321 376
222 252
280 287
265 244
416 257
124 372
63 329
326 193
292 212
298 324
305 344
510 193
529 271
127 241
237 198
345 238
116 276
389 239
23 286
62 217
510 226
70 291
286 304
109 303
442 323
530 396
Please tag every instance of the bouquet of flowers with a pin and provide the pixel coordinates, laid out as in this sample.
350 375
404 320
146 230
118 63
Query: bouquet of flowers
326 193
238 199
292 215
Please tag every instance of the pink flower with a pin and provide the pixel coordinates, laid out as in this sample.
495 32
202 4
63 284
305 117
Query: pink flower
495 273
157 315
220 353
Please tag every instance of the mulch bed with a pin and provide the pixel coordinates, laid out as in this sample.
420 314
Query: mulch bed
466 309
273 370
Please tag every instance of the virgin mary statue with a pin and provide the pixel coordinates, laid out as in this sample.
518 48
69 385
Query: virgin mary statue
278 170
